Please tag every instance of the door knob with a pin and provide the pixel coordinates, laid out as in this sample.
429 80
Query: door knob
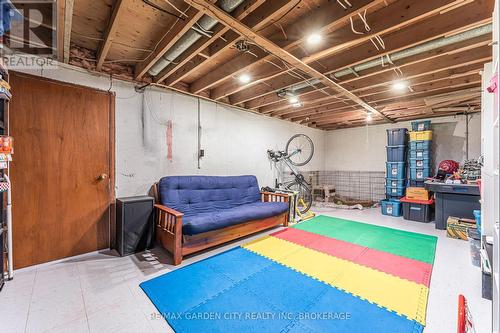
102 177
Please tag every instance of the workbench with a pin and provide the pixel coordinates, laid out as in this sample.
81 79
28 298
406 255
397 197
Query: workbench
458 200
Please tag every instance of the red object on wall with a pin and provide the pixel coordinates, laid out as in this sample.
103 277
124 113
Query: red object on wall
169 133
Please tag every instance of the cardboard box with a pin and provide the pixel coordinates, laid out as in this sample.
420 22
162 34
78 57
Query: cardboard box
457 227
417 193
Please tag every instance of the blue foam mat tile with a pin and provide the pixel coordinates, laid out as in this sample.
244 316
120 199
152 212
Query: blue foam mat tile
285 289
185 288
238 264
199 297
234 310
337 311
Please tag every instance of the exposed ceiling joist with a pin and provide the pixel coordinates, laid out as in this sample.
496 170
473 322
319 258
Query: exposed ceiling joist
451 64
217 13
434 27
377 75
110 33
167 41
381 22
257 19
68 22
297 31
198 47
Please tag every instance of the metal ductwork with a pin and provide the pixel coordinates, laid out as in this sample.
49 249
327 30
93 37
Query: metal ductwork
200 28
419 49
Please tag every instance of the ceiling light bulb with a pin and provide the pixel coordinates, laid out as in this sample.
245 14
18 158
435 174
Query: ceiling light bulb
314 38
399 86
369 116
245 78
297 105
293 99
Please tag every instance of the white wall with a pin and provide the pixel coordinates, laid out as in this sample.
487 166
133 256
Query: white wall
363 148
235 141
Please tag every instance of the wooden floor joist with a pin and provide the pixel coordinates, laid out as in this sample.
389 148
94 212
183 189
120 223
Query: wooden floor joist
214 11
128 38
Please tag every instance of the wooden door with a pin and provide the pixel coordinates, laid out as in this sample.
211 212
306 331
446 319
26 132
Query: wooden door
63 169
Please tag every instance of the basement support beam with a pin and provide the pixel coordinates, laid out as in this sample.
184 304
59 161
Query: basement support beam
110 33
215 12
68 23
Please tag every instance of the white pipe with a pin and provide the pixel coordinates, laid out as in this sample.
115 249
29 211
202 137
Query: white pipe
190 37
412 51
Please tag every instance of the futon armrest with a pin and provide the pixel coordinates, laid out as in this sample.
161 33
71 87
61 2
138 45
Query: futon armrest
274 197
169 210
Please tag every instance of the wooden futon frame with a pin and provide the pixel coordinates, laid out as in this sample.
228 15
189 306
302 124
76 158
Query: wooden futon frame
169 229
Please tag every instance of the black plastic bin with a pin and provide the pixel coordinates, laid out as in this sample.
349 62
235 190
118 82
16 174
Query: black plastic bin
419 211
397 136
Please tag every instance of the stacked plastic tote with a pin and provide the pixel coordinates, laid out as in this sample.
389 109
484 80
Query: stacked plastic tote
420 153
417 205
396 181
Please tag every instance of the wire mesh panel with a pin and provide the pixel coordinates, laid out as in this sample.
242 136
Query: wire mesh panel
350 185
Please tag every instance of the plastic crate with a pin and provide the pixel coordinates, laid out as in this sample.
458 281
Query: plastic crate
421 136
397 136
421 125
396 170
419 145
396 153
419 211
420 163
416 183
420 173
394 182
391 207
477 215
395 191
420 153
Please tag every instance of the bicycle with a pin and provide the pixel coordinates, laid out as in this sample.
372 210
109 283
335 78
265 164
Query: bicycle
298 152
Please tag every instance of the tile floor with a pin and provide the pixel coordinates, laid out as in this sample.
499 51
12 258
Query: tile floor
100 292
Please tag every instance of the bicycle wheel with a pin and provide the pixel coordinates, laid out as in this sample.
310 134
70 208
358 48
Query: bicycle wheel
300 148
304 200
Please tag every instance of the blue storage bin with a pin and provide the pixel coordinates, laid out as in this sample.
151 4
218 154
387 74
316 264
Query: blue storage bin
397 136
420 163
396 153
477 215
420 153
416 183
420 173
391 207
396 170
394 182
419 145
421 125
395 191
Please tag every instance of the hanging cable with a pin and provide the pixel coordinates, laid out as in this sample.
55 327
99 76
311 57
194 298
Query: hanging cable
155 6
353 29
363 18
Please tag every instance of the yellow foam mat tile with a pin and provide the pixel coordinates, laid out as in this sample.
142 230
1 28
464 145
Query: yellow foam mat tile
404 297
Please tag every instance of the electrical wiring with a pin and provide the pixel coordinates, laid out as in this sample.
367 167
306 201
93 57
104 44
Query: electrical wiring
174 7
114 42
155 6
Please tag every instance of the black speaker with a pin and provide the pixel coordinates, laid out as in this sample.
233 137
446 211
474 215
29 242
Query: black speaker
134 224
